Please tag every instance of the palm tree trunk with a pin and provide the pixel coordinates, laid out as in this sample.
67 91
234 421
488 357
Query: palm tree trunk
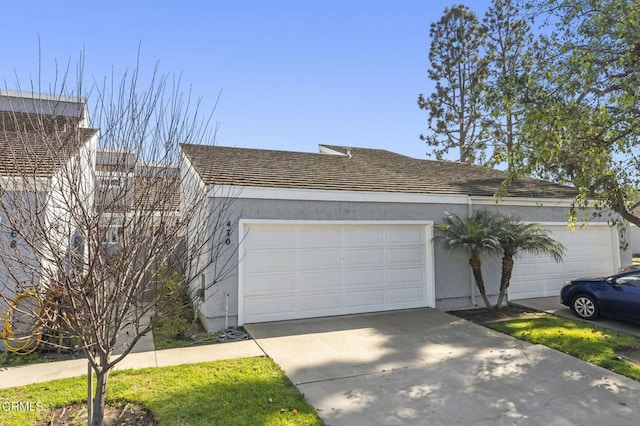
476 268
505 278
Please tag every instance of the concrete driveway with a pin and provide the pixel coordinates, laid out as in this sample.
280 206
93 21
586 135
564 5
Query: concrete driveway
553 306
427 367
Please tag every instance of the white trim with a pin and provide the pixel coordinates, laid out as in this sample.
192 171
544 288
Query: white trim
184 160
332 195
578 225
270 193
42 96
429 249
430 265
524 201
329 151
242 222
241 235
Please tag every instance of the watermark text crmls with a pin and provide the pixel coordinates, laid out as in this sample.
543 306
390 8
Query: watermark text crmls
21 406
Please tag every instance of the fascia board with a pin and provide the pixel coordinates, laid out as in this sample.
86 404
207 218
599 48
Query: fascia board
222 191
521 201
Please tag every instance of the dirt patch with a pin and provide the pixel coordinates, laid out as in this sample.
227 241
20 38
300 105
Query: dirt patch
76 414
631 355
484 316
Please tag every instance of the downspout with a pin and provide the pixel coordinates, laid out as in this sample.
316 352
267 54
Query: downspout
472 286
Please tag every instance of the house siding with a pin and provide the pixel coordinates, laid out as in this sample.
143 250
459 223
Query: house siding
453 278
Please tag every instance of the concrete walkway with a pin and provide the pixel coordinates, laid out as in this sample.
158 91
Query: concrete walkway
37 373
553 306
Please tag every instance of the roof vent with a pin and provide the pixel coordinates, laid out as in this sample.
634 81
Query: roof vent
349 152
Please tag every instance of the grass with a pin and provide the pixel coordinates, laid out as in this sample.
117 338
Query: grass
579 339
250 391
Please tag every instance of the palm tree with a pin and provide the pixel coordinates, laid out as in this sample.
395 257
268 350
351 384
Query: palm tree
471 235
517 238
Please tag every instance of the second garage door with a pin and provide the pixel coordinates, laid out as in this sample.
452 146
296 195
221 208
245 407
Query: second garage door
590 252
292 270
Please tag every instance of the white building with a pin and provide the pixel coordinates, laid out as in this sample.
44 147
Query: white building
47 150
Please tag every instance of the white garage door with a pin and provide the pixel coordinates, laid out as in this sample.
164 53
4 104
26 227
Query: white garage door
590 252
301 269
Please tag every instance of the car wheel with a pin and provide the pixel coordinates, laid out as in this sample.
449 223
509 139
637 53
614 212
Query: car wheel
585 307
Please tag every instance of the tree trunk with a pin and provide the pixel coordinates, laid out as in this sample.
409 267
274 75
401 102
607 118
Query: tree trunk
509 144
505 278
102 377
476 268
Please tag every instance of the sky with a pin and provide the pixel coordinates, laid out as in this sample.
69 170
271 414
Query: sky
289 75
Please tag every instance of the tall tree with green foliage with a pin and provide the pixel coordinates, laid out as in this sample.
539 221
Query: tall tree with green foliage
473 236
456 117
508 38
582 118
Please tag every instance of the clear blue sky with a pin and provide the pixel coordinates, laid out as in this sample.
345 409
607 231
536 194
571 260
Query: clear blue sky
293 74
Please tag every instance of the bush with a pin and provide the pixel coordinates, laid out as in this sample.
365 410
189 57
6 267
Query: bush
175 313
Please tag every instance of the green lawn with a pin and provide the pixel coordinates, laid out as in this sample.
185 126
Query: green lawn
582 340
250 391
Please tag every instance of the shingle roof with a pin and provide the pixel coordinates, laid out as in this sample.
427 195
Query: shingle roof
364 170
156 193
36 145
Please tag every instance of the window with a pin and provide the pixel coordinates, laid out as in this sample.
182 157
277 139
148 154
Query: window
629 280
110 182
114 235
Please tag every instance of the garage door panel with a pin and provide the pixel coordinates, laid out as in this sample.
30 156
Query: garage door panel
575 268
578 251
329 269
355 236
263 261
310 281
320 302
599 252
403 235
550 266
269 237
401 255
366 298
400 276
269 305
321 259
271 283
311 237
403 295
363 277
359 257
588 252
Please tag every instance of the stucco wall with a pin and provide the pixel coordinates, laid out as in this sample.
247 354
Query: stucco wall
453 279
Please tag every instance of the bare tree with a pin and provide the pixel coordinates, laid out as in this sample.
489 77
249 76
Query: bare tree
94 215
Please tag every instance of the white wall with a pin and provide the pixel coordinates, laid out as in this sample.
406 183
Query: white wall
634 239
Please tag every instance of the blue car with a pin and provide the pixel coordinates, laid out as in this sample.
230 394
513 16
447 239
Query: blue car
617 296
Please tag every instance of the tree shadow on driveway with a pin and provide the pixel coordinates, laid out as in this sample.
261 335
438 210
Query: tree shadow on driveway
424 366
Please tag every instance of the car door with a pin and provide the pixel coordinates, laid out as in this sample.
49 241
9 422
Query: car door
622 297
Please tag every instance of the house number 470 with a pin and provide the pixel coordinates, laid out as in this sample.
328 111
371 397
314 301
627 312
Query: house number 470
228 240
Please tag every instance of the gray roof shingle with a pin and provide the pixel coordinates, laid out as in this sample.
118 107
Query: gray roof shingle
364 170
36 145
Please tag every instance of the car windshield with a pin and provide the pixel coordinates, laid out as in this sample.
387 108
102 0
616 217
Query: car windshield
630 280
